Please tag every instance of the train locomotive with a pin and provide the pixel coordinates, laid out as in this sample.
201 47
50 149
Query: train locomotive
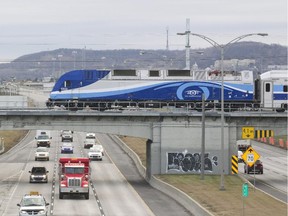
106 89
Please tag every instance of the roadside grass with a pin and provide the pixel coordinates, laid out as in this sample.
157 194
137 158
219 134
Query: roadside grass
12 137
207 193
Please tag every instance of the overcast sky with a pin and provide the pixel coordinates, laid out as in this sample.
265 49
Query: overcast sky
28 26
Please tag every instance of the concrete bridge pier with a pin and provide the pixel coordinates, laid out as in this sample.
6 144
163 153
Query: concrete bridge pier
153 150
176 148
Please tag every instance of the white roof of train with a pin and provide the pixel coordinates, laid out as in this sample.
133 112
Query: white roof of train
274 74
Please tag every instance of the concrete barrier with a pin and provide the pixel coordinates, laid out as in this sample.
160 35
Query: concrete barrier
281 143
190 204
271 141
2 147
274 142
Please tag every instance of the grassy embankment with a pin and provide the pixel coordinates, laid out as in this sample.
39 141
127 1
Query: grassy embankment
206 192
10 138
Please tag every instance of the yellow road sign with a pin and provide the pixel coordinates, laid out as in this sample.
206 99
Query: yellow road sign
250 156
247 132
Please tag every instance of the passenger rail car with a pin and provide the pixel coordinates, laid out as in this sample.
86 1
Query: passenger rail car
103 89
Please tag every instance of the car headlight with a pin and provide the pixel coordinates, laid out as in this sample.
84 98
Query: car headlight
85 185
42 212
63 185
23 212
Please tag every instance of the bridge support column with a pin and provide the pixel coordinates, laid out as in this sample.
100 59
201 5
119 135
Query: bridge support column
153 151
148 159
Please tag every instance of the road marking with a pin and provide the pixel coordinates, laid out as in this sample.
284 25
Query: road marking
11 195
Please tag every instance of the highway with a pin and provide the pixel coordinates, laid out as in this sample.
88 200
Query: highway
274 179
110 192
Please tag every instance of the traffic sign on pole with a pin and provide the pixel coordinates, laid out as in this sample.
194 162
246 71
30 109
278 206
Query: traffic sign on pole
250 156
247 132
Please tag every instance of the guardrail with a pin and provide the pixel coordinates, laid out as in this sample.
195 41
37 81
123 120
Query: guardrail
137 109
278 142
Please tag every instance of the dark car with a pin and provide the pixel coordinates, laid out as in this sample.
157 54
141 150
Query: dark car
257 168
38 174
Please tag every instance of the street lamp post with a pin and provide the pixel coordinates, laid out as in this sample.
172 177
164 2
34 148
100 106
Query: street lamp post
222 47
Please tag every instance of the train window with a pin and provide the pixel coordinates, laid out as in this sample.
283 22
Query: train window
178 72
67 83
154 73
124 72
88 75
285 88
267 87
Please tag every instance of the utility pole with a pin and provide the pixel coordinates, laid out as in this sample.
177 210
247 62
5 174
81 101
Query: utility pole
187 46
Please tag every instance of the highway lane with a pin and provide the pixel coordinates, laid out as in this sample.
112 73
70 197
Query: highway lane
274 179
119 187
112 194
19 161
71 205
159 203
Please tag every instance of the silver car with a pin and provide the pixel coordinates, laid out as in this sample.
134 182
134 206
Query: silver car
42 153
33 204
95 154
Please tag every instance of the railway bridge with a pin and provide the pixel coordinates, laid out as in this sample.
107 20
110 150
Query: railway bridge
174 139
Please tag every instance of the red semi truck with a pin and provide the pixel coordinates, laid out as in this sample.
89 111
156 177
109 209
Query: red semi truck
74 175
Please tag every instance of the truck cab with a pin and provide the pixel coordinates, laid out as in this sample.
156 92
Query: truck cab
74 175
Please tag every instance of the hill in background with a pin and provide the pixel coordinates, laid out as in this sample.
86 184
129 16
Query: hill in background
52 63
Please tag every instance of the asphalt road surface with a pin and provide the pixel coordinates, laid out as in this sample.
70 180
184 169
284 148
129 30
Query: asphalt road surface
113 190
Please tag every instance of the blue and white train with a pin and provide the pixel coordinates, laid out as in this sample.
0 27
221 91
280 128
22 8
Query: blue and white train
103 89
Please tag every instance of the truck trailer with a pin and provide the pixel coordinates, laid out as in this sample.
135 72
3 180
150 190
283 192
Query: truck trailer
74 177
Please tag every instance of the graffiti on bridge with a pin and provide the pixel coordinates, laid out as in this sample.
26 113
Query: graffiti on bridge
190 162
